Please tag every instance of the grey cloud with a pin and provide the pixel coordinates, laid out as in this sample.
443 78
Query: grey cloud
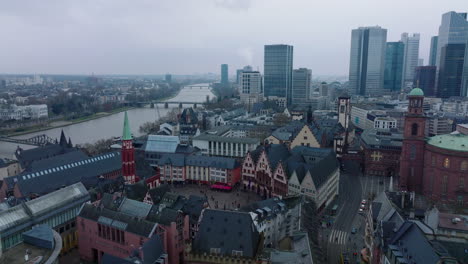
234 5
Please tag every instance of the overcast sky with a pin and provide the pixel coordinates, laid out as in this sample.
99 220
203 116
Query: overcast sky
196 36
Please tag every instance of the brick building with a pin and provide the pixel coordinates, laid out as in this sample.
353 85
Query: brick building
381 151
118 226
437 166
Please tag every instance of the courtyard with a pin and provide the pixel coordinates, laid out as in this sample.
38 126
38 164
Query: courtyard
226 200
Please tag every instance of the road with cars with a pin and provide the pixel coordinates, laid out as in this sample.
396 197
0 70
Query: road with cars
346 234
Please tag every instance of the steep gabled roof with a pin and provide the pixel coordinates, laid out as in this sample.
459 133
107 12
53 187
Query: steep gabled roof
227 231
48 180
277 153
117 219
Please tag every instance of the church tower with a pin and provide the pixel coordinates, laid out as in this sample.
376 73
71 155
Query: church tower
412 151
128 154
344 110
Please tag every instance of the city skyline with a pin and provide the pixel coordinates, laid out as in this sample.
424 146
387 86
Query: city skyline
64 38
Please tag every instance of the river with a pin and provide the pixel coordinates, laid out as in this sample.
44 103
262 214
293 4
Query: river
112 125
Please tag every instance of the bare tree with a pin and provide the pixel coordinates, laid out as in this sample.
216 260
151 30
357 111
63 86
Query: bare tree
101 146
281 119
149 127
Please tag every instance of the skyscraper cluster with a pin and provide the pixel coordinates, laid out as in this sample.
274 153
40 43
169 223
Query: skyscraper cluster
379 67
280 82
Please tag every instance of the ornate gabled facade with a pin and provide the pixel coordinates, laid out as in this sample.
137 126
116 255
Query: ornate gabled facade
264 170
320 133
273 170
128 154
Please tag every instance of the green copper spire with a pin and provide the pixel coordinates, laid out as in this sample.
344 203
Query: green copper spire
127 135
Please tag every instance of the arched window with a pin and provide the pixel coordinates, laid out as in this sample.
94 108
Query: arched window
446 163
464 165
414 129
444 185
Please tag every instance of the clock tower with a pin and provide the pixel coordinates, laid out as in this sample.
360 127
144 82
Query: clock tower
412 151
128 154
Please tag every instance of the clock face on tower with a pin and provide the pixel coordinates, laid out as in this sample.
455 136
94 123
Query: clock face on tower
127 144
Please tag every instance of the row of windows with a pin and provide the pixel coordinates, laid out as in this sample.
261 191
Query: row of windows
447 163
111 234
53 222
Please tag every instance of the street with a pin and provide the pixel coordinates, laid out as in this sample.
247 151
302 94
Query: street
338 238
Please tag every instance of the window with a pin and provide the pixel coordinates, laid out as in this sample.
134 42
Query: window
342 108
412 152
447 163
461 182
444 185
414 129
433 160
464 165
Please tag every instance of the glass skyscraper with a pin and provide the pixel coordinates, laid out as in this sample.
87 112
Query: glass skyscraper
224 75
411 56
367 61
453 37
301 86
433 52
278 68
450 71
424 78
394 55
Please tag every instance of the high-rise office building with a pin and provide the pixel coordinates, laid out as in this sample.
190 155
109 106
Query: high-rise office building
433 52
168 78
424 78
394 55
301 86
247 68
251 88
452 30
450 70
420 62
464 86
367 60
410 58
278 68
324 89
224 75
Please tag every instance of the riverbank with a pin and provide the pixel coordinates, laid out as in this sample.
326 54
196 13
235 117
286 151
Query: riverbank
62 123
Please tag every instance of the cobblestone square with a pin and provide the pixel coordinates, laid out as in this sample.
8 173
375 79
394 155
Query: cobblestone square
219 199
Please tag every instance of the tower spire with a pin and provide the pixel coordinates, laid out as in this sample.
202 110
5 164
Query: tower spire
63 139
128 154
126 135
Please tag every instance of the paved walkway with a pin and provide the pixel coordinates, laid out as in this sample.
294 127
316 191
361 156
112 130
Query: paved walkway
218 199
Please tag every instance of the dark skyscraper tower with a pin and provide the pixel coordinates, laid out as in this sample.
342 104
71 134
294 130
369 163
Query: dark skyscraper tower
424 78
367 61
394 55
433 52
451 70
278 69
224 75
453 37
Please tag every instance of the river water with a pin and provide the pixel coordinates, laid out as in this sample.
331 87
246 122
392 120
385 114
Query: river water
112 125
